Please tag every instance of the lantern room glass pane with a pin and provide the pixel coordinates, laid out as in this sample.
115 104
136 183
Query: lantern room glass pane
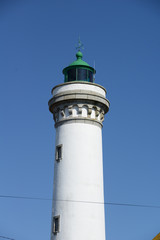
79 74
90 76
72 75
82 74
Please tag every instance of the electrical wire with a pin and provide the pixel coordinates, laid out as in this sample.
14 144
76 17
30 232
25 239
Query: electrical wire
111 203
80 201
27 198
7 238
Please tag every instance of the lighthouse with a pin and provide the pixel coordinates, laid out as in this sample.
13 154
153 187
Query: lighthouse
78 106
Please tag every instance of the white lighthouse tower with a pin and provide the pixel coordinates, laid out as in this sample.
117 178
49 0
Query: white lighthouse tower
78 106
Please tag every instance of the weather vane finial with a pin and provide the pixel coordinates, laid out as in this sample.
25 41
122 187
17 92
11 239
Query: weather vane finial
79 46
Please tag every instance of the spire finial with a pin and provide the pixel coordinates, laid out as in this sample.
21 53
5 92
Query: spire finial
79 46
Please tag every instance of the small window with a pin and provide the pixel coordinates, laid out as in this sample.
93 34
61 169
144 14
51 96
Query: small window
58 152
56 224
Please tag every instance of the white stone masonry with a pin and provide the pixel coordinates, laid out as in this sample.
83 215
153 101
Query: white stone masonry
78 109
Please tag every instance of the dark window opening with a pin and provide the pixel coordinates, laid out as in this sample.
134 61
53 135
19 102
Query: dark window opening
59 153
56 224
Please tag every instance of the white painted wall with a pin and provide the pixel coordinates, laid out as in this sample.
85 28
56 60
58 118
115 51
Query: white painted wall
73 86
79 177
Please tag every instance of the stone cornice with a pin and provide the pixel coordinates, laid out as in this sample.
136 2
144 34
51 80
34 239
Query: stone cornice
78 105
79 96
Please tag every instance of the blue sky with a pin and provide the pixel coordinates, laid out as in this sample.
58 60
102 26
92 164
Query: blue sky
37 41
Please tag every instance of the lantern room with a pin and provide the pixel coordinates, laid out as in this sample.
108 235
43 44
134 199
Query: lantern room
79 70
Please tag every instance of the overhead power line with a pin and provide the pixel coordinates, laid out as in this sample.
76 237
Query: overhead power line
81 201
7 238
111 203
27 198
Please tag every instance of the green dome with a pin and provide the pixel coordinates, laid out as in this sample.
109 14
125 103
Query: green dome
77 67
78 62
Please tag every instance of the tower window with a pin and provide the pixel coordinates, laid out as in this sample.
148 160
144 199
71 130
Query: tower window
56 224
58 152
